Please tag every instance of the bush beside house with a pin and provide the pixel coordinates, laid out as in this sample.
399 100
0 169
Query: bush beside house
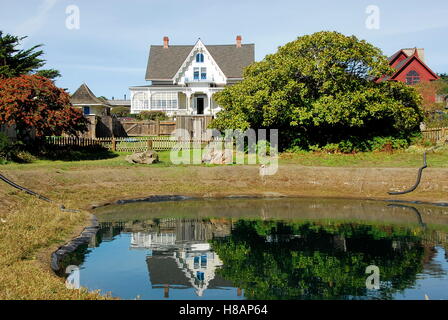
320 91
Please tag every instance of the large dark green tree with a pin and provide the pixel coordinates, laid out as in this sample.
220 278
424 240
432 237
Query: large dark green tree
321 89
299 260
15 62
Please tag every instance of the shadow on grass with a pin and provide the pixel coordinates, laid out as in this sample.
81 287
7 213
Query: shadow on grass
77 154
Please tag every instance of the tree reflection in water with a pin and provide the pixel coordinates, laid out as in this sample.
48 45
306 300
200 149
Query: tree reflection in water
292 260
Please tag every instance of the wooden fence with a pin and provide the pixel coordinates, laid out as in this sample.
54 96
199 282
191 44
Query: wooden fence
435 134
133 144
148 128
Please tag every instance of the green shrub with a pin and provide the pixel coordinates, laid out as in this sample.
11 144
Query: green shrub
354 145
22 156
6 148
265 148
388 144
330 148
419 140
121 111
152 115
296 149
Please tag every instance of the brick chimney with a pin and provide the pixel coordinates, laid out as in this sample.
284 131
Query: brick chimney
238 41
166 41
420 52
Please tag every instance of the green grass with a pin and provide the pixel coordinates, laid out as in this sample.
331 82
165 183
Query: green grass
404 159
367 159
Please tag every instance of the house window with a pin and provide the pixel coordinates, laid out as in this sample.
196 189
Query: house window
203 261
196 73
164 100
200 276
412 77
86 110
140 101
203 73
200 57
196 262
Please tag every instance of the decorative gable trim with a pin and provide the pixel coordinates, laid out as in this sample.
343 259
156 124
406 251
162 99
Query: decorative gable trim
200 47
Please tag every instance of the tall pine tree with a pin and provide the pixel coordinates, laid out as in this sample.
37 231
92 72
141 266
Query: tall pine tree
15 62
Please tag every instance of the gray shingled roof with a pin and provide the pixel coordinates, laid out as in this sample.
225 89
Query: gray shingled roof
392 57
163 270
85 96
163 63
118 102
403 62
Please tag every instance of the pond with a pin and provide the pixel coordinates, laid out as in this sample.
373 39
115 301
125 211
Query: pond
266 249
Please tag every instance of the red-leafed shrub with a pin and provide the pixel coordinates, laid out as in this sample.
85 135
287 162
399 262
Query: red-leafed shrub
34 104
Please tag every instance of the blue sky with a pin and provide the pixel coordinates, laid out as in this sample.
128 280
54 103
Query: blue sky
110 49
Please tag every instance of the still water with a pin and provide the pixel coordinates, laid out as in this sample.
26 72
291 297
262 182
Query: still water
266 249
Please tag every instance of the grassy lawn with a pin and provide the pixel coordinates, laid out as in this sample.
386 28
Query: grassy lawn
396 159
367 159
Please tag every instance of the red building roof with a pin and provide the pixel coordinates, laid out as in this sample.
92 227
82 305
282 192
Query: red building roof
410 67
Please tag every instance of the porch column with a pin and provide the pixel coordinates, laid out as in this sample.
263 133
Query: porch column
211 104
188 94
209 98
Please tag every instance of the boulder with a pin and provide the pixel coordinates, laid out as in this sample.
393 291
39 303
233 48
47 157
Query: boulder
217 156
146 157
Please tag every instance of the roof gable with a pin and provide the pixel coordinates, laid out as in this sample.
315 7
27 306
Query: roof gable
397 57
164 63
83 95
413 59
199 47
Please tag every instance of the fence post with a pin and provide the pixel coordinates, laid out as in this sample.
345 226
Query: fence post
114 144
158 127
149 144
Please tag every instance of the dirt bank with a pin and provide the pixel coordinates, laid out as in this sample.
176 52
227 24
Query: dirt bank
84 186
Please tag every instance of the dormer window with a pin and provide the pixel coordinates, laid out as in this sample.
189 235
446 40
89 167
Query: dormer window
200 57
412 77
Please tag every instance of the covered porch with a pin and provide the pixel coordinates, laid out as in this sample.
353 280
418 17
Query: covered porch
175 101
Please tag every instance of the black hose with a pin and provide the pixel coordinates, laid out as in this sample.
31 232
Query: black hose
31 192
419 177
12 184
419 216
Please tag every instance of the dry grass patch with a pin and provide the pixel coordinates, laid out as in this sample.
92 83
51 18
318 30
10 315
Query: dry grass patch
29 227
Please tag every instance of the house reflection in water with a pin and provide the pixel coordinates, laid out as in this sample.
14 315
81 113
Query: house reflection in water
180 256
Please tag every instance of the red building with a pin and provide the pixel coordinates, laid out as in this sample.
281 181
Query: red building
410 68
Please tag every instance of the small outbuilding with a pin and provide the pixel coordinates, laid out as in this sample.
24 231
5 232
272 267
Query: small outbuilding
91 105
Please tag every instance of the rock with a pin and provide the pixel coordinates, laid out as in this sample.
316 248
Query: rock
217 156
147 157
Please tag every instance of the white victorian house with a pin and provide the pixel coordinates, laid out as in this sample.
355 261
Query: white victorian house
184 78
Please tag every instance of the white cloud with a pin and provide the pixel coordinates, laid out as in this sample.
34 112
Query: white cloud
35 23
